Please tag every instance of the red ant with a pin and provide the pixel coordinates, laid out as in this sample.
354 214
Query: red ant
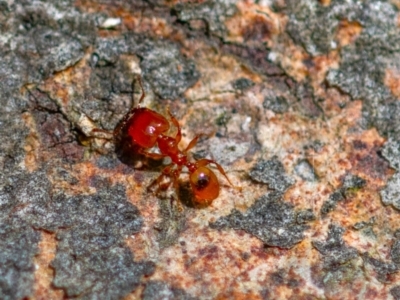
143 128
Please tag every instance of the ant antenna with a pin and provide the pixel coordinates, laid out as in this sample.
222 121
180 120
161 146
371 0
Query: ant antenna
139 79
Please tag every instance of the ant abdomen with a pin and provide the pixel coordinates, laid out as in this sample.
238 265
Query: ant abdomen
204 184
145 126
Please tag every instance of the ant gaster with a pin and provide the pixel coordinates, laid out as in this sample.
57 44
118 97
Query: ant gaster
143 129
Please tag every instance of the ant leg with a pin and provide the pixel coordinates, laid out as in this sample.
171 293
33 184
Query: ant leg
193 142
143 93
174 175
175 180
178 136
122 123
104 134
165 172
150 155
203 162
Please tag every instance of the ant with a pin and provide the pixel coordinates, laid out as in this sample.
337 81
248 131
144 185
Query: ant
142 129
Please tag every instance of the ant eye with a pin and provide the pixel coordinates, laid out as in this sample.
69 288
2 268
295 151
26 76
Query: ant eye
204 184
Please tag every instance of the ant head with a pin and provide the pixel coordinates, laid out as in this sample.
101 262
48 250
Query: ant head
204 184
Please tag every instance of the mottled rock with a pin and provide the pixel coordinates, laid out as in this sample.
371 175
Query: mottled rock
277 104
305 170
350 183
334 250
390 195
18 246
391 151
272 173
213 13
91 259
395 291
158 290
305 216
242 84
270 219
383 269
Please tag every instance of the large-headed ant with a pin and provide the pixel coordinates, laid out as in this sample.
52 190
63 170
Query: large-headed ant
142 129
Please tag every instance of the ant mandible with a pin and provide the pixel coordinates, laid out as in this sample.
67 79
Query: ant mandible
144 128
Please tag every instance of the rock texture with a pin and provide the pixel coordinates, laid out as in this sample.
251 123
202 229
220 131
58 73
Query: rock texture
298 100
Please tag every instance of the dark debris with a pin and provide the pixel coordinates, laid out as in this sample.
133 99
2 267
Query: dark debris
364 224
383 269
351 183
270 219
307 102
334 250
272 173
305 216
277 103
242 84
257 58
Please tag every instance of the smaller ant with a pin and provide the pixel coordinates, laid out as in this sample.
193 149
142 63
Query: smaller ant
141 129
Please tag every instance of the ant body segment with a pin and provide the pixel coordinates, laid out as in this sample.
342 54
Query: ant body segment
142 129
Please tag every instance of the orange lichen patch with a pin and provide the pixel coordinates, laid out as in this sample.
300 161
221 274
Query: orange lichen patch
205 257
392 81
44 274
375 237
357 207
253 24
308 195
325 2
292 60
32 144
70 81
239 295
288 135
333 102
293 137
157 26
136 18
81 172
320 65
347 32
144 244
215 264
218 71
